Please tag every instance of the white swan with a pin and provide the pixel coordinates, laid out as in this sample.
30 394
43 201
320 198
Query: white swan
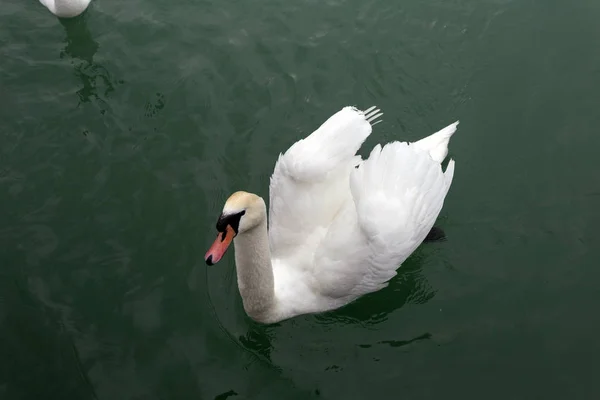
66 8
339 226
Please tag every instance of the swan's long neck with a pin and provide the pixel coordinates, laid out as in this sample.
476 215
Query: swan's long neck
255 272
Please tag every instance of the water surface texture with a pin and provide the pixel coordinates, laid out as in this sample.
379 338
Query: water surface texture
123 131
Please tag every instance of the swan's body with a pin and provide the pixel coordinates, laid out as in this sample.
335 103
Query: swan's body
66 8
339 226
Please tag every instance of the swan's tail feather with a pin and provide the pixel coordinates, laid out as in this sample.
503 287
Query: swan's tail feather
437 143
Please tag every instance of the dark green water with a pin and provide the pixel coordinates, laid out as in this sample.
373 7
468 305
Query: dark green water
123 131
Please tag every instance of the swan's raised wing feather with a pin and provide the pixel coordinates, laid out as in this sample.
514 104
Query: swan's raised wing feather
398 193
310 181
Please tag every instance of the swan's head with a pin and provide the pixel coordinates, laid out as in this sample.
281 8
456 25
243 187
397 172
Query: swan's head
242 212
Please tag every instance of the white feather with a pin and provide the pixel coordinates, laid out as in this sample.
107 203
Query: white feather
437 144
337 232
309 182
66 8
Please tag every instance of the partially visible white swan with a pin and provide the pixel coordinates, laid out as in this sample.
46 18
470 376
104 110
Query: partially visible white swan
66 8
339 226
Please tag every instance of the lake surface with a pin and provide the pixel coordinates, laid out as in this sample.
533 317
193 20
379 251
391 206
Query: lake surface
123 131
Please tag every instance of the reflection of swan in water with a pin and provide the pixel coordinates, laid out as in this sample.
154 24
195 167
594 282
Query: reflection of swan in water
81 47
66 8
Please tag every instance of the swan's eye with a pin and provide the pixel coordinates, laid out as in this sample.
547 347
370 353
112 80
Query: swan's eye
232 220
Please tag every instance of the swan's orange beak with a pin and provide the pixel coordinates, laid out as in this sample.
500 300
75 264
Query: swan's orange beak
219 247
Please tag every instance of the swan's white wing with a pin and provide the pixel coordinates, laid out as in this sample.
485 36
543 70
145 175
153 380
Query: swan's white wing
398 193
310 181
